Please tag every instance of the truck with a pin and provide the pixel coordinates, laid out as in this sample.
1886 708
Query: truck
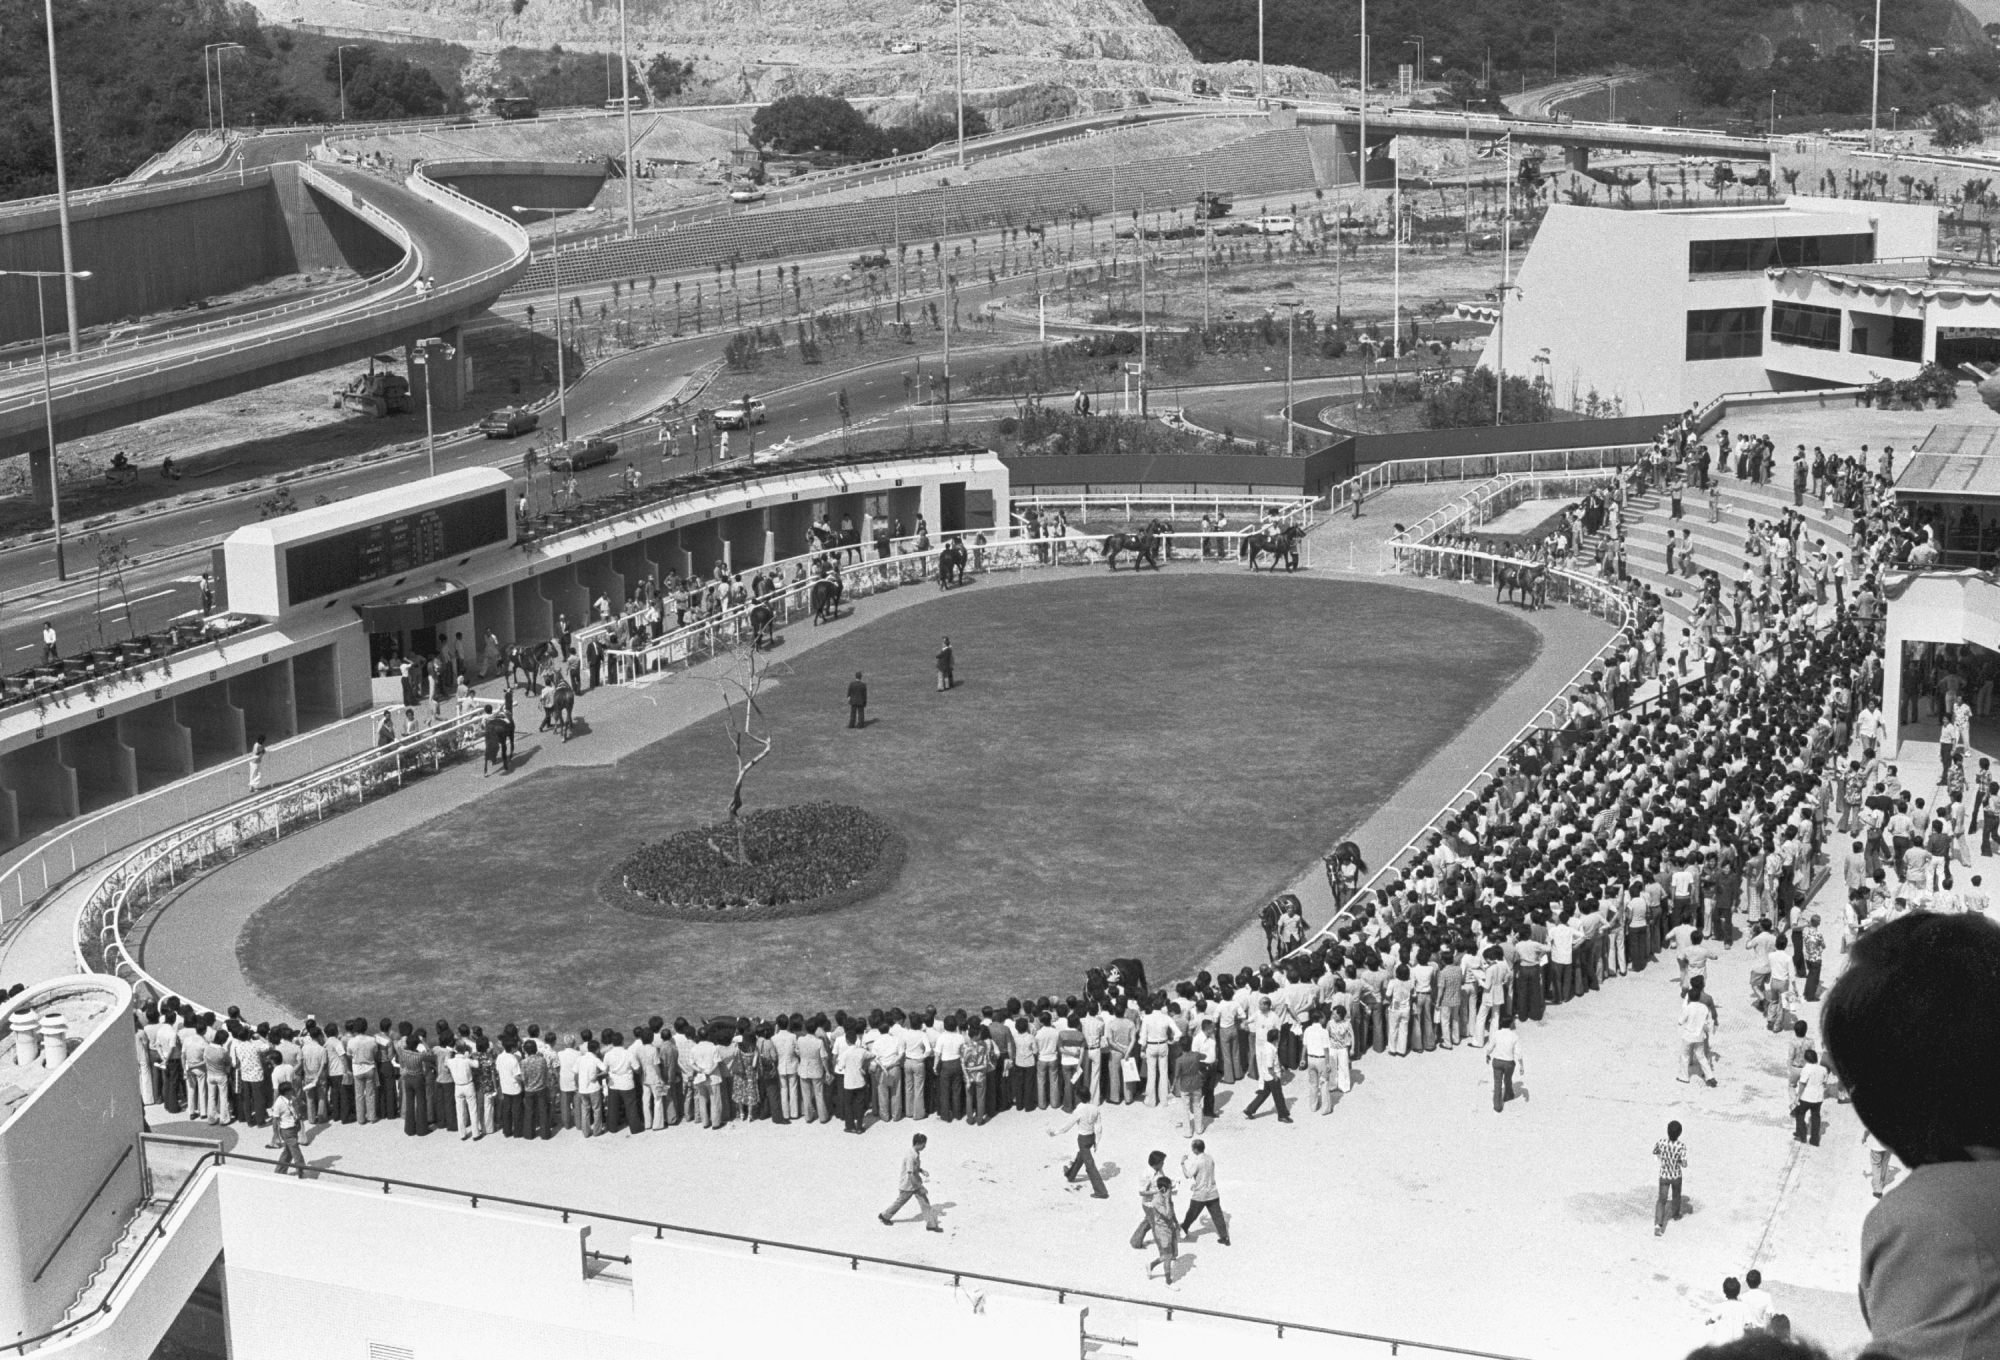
375 393
512 107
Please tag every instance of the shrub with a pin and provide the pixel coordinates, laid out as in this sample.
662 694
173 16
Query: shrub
802 857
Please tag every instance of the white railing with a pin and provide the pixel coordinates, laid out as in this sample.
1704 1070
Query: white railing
1380 477
1095 507
87 839
162 864
1476 567
862 575
1491 499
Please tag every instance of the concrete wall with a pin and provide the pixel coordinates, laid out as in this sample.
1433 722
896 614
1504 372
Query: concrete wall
502 185
70 1167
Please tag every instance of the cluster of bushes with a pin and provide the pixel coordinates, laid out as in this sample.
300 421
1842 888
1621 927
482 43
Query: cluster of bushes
799 855
1935 385
799 124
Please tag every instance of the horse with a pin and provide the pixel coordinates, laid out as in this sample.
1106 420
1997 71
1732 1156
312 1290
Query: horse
1143 545
1344 871
1272 919
1280 545
951 564
826 593
559 704
763 625
1525 582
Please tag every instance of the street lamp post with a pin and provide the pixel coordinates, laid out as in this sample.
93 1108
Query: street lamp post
1774 113
62 185
425 348
1875 81
1506 251
48 398
1895 119
1260 49
340 69
555 259
1361 151
1207 241
1291 306
221 96
625 110
1418 39
958 62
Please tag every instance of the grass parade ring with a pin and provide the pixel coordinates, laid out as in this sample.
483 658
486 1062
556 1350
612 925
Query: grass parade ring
804 860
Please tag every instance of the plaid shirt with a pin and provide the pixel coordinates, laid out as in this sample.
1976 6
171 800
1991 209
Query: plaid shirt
1673 1155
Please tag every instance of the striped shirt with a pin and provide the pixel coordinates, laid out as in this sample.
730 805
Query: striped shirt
1673 1155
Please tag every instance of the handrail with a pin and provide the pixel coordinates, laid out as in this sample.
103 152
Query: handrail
110 1299
856 1258
70 1231
101 918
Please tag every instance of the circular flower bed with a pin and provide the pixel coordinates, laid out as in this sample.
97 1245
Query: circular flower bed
806 859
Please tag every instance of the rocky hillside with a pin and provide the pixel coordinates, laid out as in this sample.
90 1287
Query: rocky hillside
760 48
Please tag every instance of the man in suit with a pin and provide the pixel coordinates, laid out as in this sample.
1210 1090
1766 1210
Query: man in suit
944 660
857 701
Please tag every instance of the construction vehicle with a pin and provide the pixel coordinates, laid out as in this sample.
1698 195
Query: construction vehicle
377 392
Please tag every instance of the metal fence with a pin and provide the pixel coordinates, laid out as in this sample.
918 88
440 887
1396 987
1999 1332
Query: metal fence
154 870
1095 508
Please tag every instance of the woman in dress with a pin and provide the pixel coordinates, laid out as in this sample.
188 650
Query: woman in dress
743 1073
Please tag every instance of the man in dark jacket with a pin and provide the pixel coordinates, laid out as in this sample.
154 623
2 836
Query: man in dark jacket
857 701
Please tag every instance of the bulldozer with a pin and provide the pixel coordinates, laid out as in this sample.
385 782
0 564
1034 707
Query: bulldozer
377 392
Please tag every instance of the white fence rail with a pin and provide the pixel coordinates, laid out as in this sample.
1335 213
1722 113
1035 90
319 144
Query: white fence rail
1097 507
1470 565
157 867
1381 476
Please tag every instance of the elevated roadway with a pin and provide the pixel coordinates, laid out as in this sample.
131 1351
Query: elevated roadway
452 257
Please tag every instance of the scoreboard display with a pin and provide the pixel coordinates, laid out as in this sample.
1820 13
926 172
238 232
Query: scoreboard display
390 547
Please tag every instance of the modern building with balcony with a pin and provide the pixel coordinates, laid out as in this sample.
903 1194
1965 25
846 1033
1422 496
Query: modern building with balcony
1669 309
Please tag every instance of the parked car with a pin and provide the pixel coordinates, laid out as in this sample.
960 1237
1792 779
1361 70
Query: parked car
746 193
739 415
509 421
579 454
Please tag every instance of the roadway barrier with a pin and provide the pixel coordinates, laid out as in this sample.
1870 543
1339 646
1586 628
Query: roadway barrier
155 869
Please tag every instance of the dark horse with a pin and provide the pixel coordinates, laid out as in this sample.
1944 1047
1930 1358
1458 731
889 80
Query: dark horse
559 704
763 625
826 593
951 564
1525 582
1280 545
1144 545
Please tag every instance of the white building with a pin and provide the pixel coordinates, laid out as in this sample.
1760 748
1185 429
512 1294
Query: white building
1668 309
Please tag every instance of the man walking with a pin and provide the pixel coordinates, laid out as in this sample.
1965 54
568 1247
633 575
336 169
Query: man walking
1505 1056
1270 1076
857 701
1156 1165
1088 1121
286 1118
1673 1155
911 1187
945 681
1199 1168
1808 1094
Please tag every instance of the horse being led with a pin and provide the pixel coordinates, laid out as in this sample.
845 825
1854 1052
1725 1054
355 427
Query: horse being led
1144 545
826 593
1525 583
951 564
1280 545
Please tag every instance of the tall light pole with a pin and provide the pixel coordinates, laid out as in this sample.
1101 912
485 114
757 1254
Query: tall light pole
62 195
944 277
69 277
958 61
1506 262
1396 260
221 96
625 109
1774 113
1875 82
1260 49
1207 240
555 259
1291 306
1361 156
1418 39
207 85
425 348
340 69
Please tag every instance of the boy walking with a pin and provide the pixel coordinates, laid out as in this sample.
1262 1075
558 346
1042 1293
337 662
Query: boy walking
1673 1157
286 1120
911 1187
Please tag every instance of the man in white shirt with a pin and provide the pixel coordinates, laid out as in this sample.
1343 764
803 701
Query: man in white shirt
589 1087
703 1089
1694 1027
787 1044
1505 1056
916 1069
569 1103
812 1060
1157 1035
507 1068
885 1046
622 1109
1757 1305
465 1095
951 1071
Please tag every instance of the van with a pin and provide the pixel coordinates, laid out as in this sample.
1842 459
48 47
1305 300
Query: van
1239 92
1276 226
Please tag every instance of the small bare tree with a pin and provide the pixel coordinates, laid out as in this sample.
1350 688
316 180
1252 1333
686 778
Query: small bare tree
748 734
112 558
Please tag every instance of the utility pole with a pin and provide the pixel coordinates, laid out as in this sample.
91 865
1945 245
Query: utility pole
944 230
958 24
1875 84
1142 304
625 108
1260 49
1291 306
340 69
62 199
1361 156
1506 262
555 260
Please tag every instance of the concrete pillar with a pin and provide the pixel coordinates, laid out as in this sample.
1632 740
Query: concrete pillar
1892 689
162 747
453 375
1577 158
770 538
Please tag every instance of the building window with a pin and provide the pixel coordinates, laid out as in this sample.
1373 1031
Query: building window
1752 255
1906 339
1725 333
1794 323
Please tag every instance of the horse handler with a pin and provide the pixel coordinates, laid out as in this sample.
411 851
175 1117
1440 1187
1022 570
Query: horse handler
945 680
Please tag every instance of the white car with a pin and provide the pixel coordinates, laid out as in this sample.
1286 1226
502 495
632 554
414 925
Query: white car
746 193
739 415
